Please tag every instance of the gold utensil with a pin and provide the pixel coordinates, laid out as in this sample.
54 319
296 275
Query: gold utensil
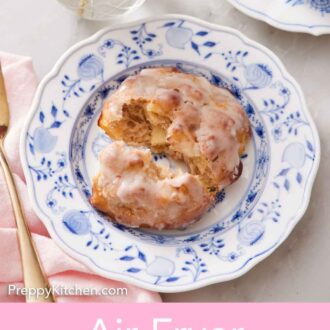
34 277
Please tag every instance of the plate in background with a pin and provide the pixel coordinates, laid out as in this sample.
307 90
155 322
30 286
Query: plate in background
309 16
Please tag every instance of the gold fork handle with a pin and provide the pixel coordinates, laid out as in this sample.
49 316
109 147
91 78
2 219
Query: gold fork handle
33 275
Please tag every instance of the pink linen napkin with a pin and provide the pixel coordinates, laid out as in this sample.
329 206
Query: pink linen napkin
21 83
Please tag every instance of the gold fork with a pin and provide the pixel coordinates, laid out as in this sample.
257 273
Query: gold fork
34 277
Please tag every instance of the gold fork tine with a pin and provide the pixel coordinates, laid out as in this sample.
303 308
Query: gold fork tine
33 274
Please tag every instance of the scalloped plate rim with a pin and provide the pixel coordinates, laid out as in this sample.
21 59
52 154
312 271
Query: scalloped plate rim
315 30
251 262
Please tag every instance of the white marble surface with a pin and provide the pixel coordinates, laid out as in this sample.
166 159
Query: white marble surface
300 269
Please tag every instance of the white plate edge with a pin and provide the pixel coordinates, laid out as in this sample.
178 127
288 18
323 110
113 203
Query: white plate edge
315 31
192 286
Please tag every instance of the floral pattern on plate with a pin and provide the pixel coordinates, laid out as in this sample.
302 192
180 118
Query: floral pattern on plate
309 16
249 219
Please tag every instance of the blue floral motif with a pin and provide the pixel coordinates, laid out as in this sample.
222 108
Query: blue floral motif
61 187
126 54
283 176
89 68
289 126
42 140
323 6
84 186
232 256
234 60
76 222
217 228
257 75
213 246
46 169
80 223
73 87
294 155
219 198
99 236
194 265
262 161
274 109
132 252
216 245
142 37
251 232
266 211
163 269
178 36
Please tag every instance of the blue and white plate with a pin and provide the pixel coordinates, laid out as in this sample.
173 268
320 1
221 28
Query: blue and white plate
309 16
61 141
